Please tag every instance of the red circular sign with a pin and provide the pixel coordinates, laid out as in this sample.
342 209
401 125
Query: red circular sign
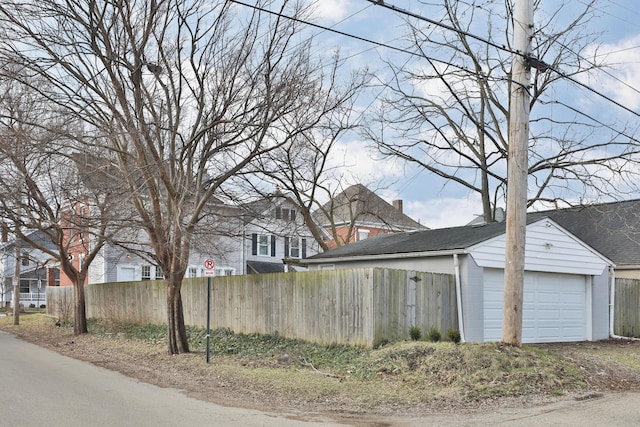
209 263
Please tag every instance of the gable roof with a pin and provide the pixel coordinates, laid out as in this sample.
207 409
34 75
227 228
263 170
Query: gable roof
358 203
263 207
454 239
613 229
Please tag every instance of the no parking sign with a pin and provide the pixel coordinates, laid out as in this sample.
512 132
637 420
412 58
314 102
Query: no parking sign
209 265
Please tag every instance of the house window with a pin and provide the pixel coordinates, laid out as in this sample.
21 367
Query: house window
263 245
224 271
25 287
292 247
193 272
285 214
24 260
81 261
363 234
146 272
159 275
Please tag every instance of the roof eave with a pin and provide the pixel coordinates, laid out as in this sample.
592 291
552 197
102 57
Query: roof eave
404 255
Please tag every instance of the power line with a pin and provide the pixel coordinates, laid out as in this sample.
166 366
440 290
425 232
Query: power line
590 117
445 26
593 64
534 62
342 33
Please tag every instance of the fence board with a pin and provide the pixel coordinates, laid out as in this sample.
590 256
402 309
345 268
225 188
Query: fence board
627 308
357 306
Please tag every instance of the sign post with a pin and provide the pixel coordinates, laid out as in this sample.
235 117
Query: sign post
209 265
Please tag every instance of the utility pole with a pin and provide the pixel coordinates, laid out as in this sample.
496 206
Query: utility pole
517 165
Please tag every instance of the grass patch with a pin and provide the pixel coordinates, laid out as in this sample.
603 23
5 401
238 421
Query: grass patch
478 370
622 354
419 370
396 375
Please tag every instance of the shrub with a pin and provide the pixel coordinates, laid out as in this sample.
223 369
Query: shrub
32 306
43 305
415 333
454 335
434 335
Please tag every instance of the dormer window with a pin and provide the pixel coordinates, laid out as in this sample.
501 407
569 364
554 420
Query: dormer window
285 214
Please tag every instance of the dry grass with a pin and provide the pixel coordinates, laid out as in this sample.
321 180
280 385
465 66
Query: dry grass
408 377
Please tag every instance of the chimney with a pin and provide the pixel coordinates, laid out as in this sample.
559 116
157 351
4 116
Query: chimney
398 205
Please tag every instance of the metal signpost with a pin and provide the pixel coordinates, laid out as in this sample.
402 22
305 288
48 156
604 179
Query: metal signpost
209 265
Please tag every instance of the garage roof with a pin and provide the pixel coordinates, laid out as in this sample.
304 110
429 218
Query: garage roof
442 239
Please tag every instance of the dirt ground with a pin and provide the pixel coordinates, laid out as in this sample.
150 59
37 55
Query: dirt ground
608 366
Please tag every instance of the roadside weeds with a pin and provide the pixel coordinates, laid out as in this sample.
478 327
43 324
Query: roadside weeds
273 372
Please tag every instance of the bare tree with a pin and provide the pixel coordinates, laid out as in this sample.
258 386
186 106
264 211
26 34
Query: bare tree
182 94
447 111
307 170
42 192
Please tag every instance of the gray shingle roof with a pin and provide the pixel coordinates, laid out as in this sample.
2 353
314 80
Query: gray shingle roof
442 239
261 267
612 229
360 205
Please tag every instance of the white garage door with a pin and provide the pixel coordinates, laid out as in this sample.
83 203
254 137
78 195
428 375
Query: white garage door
554 307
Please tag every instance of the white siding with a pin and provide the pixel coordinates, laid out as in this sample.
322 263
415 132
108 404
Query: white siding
96 271
437 264
548 248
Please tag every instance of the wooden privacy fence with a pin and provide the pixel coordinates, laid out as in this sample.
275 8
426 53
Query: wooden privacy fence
357 306
626 320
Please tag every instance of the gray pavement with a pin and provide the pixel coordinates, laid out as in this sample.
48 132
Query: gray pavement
42 388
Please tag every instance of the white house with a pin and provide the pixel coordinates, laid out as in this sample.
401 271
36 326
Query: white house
261 237
37 271
566 290
275 235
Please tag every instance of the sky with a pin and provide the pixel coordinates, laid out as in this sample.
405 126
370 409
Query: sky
434 202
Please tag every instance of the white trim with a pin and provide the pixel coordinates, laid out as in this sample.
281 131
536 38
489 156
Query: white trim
588 282
384 256
456 267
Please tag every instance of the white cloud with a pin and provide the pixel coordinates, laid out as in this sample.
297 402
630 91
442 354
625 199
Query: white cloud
623 72
444 211
332 10
359 164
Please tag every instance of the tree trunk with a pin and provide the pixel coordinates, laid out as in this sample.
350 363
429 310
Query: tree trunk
177 331
16 283
80 316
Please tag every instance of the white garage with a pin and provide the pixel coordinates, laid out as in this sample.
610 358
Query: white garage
566 283
559 303
555 307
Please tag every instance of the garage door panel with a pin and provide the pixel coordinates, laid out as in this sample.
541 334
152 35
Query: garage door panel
554 307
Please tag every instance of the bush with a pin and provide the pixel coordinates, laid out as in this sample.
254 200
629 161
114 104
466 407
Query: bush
434 335
415 333
43 305
454 335
32 306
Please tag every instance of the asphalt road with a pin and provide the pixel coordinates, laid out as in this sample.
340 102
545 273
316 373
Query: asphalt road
39 387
